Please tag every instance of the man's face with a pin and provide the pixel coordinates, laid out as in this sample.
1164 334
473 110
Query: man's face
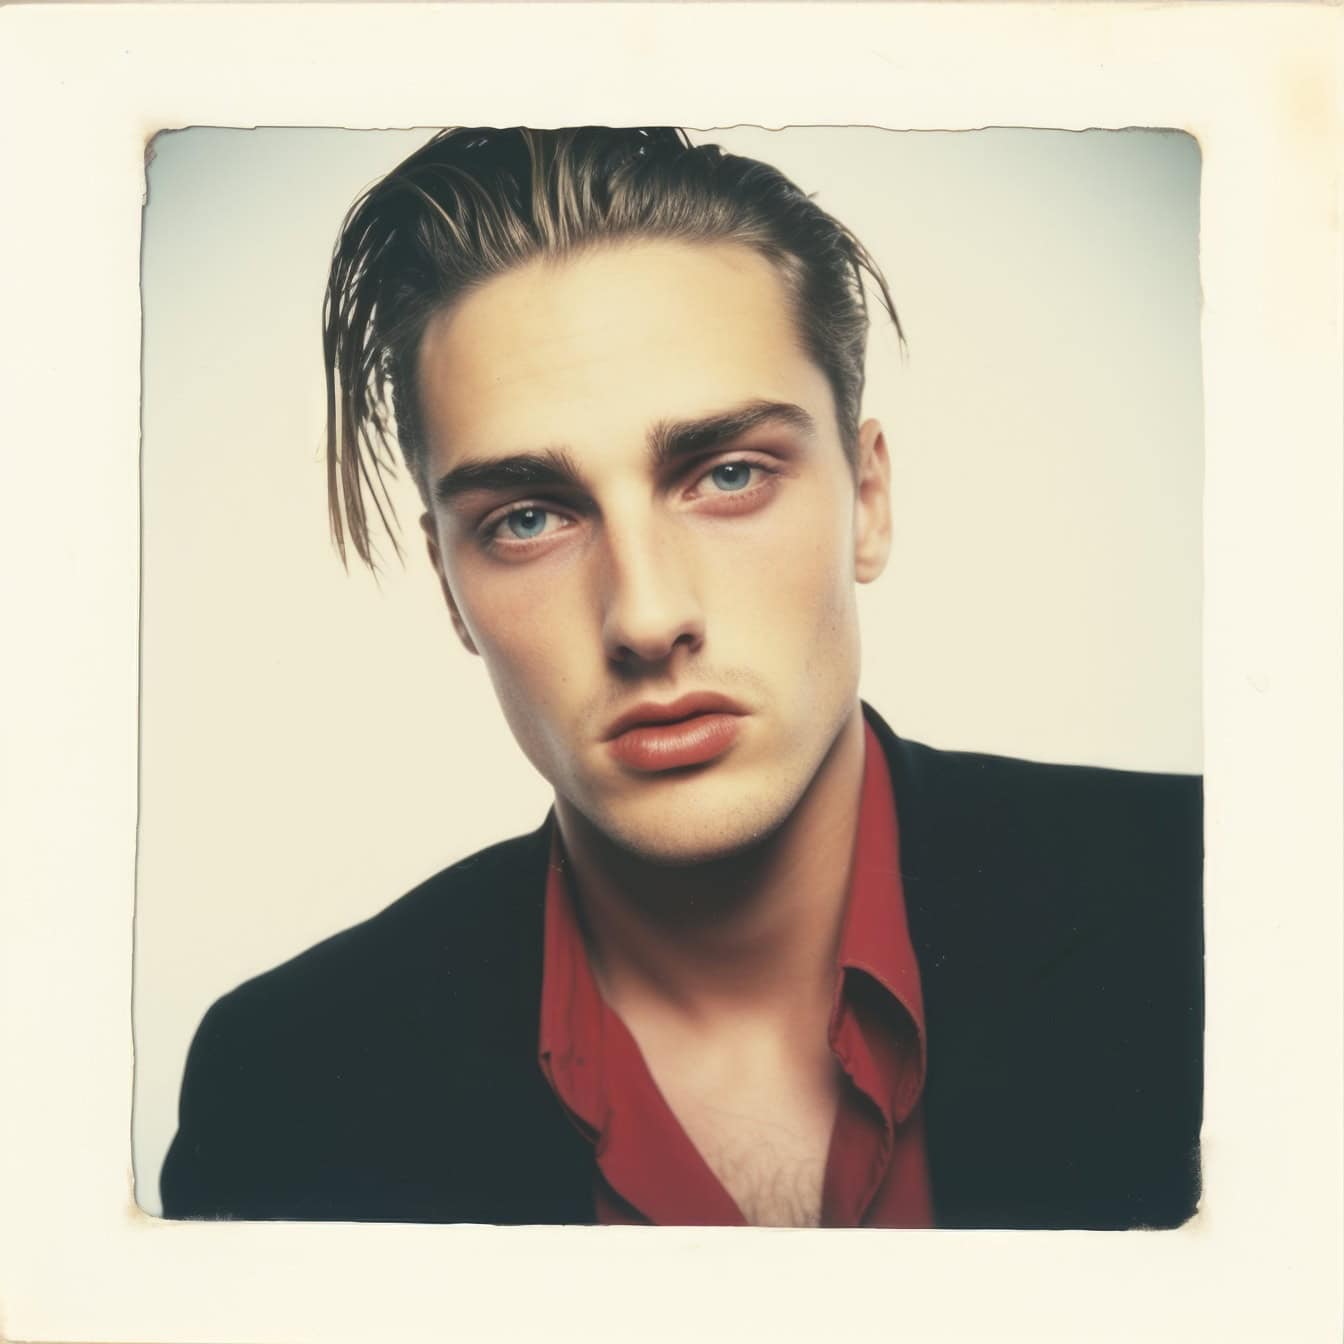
639 495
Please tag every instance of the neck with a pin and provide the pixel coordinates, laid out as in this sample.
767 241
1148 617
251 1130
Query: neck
754 933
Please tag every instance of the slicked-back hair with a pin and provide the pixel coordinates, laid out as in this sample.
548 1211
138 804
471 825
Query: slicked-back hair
475 203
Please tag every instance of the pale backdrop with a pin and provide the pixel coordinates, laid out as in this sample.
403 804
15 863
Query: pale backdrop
314 744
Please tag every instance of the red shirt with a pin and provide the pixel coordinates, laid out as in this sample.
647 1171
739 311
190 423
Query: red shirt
647 1170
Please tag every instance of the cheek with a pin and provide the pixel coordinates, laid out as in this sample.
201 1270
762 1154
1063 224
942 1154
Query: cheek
527 623
795 578
827 622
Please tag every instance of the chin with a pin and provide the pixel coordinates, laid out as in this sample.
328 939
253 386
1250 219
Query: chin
681 837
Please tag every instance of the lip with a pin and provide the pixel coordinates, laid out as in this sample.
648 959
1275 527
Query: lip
650 714
691 730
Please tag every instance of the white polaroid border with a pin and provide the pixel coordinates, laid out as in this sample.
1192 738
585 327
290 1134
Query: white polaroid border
83 89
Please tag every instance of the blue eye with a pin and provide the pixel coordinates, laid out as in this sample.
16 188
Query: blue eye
731 475
525 524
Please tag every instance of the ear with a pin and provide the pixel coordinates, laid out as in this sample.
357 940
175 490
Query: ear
431 531
872 504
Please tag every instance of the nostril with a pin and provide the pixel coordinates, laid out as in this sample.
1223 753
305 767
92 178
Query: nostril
654 646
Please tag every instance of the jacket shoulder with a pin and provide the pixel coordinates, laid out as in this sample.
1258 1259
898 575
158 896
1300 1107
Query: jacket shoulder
1063 824
446 925
973 778
1008 862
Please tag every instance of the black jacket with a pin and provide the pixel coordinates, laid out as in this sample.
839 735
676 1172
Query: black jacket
390 1072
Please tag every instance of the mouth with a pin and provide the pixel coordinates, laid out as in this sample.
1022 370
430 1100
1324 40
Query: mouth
692 730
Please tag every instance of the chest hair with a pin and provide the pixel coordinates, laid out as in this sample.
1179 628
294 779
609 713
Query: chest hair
766 1139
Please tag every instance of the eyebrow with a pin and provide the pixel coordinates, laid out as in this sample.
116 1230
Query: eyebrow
669 441
673 440
550 469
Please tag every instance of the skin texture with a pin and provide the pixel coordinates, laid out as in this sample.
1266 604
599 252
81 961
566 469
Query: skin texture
711 896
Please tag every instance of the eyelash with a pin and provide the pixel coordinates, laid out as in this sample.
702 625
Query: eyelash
492 529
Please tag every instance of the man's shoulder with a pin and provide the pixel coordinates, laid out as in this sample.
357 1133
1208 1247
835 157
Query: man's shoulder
452 930
964 810
362 1077
1031 844
969 778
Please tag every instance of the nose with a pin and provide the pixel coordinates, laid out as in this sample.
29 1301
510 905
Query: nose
650 606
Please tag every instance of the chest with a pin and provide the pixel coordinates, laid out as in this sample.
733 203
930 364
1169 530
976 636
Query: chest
761 1123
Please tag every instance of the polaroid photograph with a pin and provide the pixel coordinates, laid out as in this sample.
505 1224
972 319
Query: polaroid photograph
713 492
674 672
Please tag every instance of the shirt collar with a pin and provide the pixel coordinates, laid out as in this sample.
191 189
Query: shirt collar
875 944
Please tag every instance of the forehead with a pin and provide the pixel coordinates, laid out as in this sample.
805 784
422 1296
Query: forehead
593 349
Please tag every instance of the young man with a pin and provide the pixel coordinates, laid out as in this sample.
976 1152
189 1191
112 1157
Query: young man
765 962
